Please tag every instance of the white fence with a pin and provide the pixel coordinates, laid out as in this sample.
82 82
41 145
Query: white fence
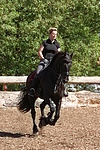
72 79
9 98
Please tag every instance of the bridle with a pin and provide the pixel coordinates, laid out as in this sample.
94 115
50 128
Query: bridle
61 74
65 73
54 72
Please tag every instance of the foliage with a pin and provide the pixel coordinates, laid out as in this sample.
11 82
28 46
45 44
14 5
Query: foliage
24 25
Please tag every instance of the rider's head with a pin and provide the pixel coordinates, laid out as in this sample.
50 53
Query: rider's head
52 33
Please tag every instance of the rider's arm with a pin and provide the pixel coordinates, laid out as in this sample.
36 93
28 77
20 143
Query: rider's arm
57 45
40 52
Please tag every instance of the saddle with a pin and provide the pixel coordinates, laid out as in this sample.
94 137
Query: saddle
40 75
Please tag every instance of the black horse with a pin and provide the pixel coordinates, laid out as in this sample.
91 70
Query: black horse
51 89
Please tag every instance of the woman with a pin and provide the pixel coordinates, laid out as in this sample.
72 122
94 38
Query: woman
46 51
48 48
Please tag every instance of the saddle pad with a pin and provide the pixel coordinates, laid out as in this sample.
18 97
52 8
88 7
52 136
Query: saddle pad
40 75
32 76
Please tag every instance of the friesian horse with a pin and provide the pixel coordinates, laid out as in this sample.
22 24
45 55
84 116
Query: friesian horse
50 89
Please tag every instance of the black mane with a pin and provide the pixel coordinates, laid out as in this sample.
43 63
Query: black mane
58 54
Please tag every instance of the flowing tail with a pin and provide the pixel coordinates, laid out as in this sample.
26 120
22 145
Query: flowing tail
23 103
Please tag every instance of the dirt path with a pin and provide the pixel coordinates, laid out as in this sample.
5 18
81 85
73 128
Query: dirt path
77 129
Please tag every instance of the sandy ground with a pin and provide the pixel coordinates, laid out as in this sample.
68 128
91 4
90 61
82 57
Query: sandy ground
77 129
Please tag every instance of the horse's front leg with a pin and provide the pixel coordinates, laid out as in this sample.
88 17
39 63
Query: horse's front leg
57 114
52 109
42 106
43 120
33 113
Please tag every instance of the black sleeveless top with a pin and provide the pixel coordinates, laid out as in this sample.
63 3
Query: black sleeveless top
50 48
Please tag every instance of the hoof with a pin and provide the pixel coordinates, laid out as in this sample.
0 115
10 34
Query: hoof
66 94
51 122
35 130
42 122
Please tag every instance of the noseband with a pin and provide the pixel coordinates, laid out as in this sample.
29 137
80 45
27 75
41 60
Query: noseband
65 72
62 76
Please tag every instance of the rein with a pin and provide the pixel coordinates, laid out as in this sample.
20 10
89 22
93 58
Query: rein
54 72
57 74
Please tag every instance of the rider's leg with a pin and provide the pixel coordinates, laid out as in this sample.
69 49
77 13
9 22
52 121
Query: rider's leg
40 66
35 80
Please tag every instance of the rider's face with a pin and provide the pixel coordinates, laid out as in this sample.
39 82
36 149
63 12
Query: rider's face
53 35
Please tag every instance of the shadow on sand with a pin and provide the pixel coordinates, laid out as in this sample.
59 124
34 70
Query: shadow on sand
13 135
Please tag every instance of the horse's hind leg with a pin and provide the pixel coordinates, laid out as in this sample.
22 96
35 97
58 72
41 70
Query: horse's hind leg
33 113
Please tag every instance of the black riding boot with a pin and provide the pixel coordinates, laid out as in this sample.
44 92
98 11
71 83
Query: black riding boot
35 82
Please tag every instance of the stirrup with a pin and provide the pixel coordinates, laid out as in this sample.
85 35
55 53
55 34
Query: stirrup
31 92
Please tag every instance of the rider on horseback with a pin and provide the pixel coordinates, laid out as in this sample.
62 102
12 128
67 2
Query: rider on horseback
46 51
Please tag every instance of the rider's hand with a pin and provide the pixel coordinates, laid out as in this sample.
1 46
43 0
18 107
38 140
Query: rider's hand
46 61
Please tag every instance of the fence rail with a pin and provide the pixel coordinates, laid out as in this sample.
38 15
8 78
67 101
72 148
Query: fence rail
10 98
72 79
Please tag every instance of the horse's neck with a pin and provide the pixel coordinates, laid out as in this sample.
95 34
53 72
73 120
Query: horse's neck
55 65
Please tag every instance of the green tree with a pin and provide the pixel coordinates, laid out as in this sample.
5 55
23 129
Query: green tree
24 25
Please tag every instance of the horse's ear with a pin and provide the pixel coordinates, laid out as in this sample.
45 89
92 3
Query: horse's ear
65 53
71 55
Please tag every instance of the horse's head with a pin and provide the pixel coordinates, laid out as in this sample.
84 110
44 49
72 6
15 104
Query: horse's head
61 64
65 65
